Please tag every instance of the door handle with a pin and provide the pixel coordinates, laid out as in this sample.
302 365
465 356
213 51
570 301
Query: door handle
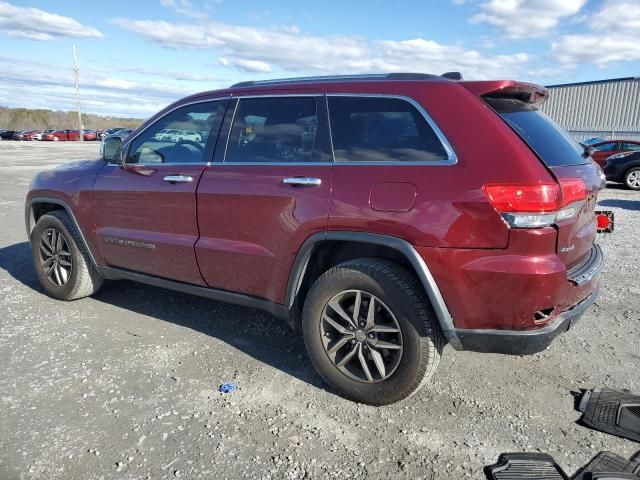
178 179
302 181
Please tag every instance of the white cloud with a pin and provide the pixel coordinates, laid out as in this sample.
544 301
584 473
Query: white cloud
526 18
185 8
42 85
251 66
37 24
613 37
264 50
618 15
596 49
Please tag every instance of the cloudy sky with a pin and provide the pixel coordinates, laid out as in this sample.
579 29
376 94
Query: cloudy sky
137 56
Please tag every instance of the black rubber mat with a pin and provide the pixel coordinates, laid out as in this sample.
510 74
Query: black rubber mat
514 466
607 462
613 476
611 411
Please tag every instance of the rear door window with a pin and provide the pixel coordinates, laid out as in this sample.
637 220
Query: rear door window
631 147
274 130
551 143
381 129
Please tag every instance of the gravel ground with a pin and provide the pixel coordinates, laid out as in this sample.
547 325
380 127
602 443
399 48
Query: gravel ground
123 385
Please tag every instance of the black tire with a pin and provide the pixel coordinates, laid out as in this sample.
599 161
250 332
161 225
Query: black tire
421 338
631 177
83 279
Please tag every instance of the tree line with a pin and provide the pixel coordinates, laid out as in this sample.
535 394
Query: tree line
42 119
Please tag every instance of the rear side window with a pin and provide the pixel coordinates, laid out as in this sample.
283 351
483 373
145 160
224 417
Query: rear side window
273 130
380 129
631 147
550 142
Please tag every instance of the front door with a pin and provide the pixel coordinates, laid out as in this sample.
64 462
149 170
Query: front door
145 209
259 203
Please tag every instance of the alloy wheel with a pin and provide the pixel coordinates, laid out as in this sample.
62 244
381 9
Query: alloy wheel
55 257
633 179
361 336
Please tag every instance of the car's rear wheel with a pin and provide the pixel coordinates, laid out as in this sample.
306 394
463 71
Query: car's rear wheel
62 263
632 178
370 331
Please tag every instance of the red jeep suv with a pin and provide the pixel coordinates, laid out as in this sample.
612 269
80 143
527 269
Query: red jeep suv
382 215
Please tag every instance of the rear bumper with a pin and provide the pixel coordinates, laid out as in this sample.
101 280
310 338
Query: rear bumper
525 342
513 301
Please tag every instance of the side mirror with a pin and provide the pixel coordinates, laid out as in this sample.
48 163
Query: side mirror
112 150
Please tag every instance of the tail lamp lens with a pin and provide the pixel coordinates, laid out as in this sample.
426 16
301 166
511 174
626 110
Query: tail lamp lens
573 190
530 198
534 205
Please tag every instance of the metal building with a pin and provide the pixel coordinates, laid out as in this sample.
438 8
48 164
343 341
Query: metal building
605 108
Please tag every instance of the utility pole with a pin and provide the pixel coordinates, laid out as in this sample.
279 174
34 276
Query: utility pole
76 71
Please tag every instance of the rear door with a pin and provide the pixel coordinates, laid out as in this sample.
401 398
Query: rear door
265 194
630 147
566 159
146 208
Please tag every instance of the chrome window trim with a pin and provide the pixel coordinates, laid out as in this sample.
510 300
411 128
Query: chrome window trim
276 95
452 158
283 164
169 164
127 144
233 119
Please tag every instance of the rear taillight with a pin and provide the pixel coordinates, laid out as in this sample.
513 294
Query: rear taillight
533 205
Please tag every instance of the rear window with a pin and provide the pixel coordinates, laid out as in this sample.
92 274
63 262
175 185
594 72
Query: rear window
550 142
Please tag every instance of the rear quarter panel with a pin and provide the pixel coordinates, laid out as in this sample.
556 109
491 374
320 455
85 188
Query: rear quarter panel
450 210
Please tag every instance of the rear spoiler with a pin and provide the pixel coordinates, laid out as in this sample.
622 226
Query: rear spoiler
508 89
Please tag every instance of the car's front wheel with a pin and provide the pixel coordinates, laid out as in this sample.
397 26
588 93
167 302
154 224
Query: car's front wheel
370 331
632 178
62 263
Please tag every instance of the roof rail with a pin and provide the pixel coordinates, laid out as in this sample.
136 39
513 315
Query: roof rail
359 77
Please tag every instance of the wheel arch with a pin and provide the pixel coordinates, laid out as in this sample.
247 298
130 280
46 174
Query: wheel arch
324 250
38 206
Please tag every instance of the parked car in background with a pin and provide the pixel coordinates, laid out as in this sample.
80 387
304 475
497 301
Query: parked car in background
122 133
603 150
61 135
7 134
170 135
18 135
624 168
162 135
38 135
109 131
381 226
24 134
90 135
190 135
28 135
